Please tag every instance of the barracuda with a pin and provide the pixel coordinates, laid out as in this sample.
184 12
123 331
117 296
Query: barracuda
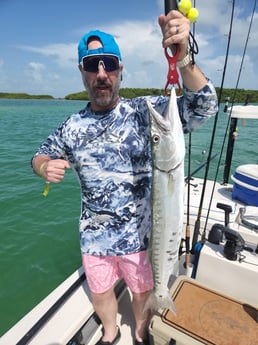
168 151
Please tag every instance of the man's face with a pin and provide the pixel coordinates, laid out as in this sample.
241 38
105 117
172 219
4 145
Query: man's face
102 86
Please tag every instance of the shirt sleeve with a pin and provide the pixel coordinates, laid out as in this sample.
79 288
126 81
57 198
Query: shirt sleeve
54 147
197 107
194 107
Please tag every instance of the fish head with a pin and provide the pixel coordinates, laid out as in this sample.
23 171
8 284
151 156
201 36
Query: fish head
167 137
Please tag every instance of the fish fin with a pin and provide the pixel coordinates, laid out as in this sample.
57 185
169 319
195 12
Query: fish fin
155 302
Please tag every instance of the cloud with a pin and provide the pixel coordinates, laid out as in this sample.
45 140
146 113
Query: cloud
63 54
5 80
34 71
143 57
39 80
142 54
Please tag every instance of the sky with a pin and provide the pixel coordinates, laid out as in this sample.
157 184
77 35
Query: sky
39 39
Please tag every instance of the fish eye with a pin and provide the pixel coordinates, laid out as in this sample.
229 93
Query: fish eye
155 139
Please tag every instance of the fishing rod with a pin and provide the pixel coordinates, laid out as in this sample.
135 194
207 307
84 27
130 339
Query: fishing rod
172 78
231 139
233 121
170 5
192 15
231 142
190 175
187 180
198 220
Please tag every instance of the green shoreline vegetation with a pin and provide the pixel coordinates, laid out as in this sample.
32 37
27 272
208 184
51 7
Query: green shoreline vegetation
23 96
239 96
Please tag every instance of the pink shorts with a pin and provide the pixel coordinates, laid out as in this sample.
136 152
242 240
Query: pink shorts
103 271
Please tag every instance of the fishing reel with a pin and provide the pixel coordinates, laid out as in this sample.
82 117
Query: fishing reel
234 244
234 241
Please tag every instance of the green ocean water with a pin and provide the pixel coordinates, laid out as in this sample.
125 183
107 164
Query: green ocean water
39 244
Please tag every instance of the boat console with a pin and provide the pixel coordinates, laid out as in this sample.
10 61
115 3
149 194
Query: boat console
229 263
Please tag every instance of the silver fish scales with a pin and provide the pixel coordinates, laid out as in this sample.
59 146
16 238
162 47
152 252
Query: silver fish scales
168 151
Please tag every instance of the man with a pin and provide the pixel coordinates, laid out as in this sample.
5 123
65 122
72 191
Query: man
108 146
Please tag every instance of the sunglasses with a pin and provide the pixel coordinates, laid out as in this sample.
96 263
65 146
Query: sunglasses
109 62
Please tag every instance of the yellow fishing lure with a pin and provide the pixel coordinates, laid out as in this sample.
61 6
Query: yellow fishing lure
46 189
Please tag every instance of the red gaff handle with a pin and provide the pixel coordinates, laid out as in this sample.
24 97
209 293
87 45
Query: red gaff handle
172 77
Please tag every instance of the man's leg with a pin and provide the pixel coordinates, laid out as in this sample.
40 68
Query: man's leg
137 272
105 305
101 273
141 318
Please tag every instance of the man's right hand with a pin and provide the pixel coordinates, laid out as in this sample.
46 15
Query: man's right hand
54 170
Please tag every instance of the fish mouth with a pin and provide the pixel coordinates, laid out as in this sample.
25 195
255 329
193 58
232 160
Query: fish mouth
161 124
158 121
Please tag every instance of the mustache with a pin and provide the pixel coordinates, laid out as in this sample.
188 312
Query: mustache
102 83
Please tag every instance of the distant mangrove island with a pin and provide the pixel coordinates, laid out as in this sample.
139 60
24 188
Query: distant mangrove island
239 95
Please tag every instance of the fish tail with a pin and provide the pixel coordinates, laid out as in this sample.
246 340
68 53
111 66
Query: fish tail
155 302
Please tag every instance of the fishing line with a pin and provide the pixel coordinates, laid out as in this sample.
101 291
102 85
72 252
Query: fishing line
234 99
229 154
198 220
193 49
193 46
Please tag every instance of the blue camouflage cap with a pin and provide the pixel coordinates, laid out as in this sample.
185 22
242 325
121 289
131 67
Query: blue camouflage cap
108 42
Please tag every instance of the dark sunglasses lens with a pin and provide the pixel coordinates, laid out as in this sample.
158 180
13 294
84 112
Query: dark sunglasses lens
91 64
111 63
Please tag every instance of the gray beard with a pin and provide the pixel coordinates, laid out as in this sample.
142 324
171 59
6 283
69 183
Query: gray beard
107 101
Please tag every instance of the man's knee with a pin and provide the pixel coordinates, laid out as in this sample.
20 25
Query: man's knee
103 296
140 296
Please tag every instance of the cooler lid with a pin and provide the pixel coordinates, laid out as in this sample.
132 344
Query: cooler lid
210 317
249 170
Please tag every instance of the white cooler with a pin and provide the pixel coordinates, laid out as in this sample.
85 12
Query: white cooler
245 187
204 316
